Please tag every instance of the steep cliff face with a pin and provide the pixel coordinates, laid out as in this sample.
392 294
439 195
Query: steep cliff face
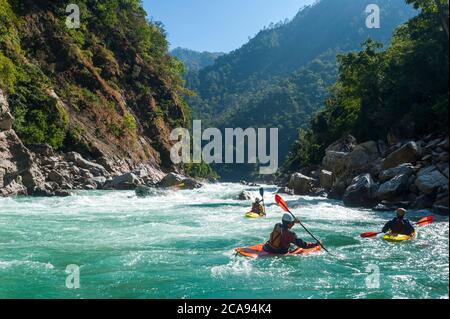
108 89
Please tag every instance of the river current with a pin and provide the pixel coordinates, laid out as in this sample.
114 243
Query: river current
180 244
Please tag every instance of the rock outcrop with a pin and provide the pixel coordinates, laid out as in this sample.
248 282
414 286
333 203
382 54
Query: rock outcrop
410 174
244 195
301 184
39 170
179 181
407 153
361 192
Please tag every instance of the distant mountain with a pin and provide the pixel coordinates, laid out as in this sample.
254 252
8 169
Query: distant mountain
280 78
193 60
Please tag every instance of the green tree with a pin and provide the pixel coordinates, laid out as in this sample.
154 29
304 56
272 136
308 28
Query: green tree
441 7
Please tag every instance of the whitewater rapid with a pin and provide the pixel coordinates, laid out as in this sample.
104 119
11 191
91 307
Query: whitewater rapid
180 244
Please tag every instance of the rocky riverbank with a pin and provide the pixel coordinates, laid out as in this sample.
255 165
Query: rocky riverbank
38 170
383 176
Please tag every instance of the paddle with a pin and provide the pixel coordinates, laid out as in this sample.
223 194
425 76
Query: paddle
285 207
261 192
422 222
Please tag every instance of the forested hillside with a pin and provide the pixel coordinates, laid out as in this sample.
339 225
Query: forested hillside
397 93
281 77
193 60
107 89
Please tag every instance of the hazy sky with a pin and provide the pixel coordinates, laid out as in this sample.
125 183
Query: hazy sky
218 25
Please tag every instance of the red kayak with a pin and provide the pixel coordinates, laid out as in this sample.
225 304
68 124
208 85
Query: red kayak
257 251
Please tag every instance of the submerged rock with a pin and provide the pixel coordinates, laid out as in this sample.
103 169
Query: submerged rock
190 183
171 180
244 195
143 191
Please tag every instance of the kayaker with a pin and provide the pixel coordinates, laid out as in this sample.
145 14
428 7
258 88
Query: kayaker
399 225
258 208
282 237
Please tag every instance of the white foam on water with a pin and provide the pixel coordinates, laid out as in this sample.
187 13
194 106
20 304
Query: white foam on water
187 239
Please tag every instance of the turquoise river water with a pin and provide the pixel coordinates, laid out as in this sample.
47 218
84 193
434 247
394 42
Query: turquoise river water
181 245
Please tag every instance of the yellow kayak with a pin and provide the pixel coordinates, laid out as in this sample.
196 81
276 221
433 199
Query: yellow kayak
253 215
394 238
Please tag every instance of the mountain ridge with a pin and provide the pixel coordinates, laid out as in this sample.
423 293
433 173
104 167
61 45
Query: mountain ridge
280 78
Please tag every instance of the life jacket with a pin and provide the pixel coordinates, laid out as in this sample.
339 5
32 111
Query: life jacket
401 226
258 208
280 239
276 238
398 226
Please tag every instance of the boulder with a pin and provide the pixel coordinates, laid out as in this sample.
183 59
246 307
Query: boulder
127 181
390 206
404 169
326 179
443 157
56 177
6 119
430 179
16 160
338 189
301 184
362 156
285 190
62 193
334 161
143 191
95 169
33 179
423 201
15 188
89 187
345 144
190 183
98 181
444 144
141 172
408 153
443 168
171 180
244 195
361 192
441 205
391 189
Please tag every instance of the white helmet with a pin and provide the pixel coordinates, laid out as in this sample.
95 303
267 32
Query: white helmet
287 218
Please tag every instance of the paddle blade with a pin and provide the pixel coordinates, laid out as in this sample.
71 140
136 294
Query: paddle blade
369 235
261 192
281 203
425 221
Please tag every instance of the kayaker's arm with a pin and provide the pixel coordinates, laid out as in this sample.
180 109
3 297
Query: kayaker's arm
301 243
409 227
298 242
387 227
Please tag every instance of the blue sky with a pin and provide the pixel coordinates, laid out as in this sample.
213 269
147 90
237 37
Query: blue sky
218 25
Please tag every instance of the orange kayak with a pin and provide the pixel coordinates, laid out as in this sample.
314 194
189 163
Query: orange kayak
257 251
